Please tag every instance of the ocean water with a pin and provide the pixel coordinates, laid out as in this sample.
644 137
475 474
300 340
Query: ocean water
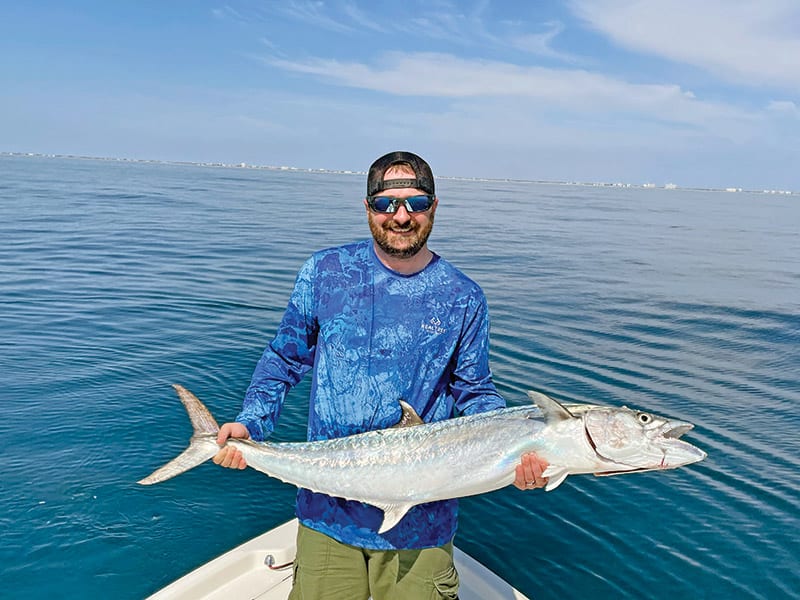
118 279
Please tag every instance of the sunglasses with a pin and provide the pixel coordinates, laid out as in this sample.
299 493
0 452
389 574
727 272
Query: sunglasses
389 204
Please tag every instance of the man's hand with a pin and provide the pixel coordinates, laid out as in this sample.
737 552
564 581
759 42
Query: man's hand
529 472
228 456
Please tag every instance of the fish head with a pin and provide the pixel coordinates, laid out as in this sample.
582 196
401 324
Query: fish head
631 440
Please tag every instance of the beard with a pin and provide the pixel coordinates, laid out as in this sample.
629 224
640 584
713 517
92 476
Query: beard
404 247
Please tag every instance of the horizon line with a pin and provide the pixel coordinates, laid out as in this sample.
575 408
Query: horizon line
244 165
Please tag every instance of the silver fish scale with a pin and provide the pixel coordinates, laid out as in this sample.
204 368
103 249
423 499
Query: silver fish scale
456 457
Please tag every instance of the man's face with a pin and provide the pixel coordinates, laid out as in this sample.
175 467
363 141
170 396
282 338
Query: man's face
401 234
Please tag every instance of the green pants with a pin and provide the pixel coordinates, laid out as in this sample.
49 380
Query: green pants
326 569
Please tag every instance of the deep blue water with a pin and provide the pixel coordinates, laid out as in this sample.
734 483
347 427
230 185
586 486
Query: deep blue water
117 279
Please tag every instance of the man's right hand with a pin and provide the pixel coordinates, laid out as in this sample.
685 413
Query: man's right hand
229 456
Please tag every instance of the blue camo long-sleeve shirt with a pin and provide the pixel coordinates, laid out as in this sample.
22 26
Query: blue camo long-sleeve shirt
373 336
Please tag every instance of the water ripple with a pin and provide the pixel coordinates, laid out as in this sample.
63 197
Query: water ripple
120 279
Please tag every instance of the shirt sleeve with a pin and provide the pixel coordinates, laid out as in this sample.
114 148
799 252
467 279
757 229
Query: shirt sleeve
286 359
472 386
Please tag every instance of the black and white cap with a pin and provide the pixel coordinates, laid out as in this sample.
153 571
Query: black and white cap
422 170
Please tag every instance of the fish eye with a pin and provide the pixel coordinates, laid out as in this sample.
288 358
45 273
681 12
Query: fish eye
644 418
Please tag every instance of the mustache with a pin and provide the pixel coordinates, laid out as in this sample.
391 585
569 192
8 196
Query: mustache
391 226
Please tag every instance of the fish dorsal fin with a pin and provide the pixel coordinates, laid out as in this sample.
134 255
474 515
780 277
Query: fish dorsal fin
409 416
553 410
392 513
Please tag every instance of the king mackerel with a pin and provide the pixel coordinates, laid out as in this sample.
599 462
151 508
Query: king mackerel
458 457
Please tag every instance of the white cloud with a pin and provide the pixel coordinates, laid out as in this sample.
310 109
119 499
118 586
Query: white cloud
438 23
313 13
784 108
361 19
580 91
745 42
541 44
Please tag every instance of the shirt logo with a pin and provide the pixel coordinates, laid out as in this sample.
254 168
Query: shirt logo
433 326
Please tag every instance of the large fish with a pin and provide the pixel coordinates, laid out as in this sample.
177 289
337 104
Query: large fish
415 462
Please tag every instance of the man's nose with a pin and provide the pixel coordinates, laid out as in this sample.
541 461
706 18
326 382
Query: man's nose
401 214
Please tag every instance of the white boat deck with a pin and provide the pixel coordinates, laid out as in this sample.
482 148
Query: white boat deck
262 569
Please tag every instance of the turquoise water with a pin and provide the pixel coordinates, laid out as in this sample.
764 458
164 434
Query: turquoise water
117 279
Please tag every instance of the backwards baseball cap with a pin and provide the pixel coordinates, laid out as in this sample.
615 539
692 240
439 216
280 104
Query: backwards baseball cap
423 176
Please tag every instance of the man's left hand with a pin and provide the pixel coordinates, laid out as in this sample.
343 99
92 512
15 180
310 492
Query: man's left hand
529 472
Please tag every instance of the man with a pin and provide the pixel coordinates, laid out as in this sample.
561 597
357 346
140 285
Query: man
377 321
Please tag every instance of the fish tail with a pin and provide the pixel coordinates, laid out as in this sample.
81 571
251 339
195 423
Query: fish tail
202 446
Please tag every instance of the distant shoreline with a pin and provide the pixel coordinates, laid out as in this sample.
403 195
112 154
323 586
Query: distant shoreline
241 165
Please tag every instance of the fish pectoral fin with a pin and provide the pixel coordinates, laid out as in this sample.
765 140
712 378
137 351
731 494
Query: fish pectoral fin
392 513
555 476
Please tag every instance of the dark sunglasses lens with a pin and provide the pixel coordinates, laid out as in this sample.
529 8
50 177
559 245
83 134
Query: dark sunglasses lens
387 204
419 203
380 203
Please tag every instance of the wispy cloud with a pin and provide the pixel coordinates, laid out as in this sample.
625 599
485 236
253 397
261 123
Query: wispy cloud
747 43
308 13
784 108
315 14
541 44
441 22
362 19
230 13
448 76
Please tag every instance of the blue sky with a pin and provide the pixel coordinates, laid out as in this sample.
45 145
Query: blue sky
664 91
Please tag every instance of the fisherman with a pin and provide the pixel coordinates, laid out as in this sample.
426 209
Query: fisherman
377 321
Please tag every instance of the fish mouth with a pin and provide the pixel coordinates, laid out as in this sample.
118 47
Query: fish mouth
675 429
